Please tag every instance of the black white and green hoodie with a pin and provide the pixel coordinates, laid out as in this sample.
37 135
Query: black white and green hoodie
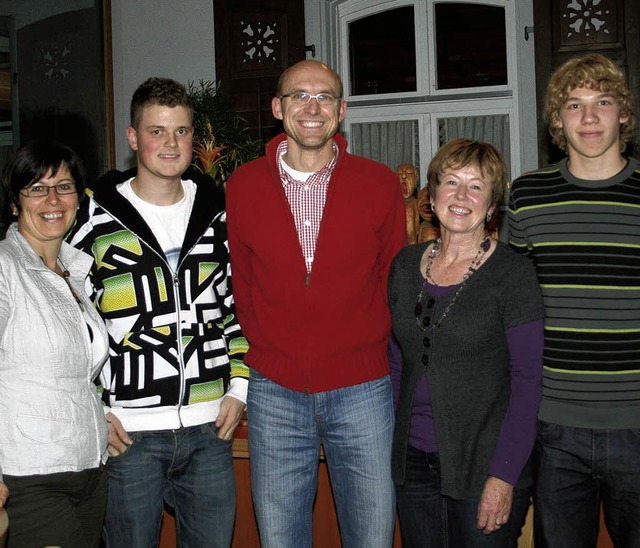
176 347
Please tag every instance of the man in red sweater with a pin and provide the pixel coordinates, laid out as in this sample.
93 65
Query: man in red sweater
312 232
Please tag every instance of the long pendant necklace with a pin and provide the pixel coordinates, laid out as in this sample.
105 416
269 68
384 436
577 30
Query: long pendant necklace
425 323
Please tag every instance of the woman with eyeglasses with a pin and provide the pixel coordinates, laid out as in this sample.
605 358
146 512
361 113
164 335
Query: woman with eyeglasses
53 432
466 361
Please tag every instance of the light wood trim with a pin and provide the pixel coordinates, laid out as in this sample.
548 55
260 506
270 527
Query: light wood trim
240 448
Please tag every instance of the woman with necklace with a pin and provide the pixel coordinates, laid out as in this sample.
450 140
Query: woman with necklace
466 364
53 432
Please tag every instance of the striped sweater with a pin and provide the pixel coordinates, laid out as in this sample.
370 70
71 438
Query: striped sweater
584 239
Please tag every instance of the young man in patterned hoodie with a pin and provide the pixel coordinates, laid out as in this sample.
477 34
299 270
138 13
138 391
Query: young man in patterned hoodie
175 385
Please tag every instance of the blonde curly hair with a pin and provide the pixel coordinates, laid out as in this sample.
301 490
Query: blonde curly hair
593 71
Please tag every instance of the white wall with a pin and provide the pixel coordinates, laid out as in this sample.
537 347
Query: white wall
526 88
157 38
313 29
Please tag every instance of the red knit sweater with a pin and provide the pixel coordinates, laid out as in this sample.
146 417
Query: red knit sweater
333 331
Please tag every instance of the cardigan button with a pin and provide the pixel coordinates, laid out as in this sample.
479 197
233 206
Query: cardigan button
426 342
425 359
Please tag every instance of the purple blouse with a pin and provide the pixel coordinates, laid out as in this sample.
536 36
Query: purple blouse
515 432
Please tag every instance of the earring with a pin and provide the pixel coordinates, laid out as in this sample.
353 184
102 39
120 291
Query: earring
488 217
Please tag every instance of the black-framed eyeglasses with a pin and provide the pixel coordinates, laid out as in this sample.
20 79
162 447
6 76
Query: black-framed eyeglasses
302 98
40 191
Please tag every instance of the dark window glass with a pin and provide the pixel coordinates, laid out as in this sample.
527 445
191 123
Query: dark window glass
471 45
382 52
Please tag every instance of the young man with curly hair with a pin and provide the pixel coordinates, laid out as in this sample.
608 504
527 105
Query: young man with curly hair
579 221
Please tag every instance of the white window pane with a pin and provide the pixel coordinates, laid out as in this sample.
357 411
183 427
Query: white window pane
492 129
391 143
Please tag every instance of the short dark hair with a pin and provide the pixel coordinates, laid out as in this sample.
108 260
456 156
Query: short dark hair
32 162
158 91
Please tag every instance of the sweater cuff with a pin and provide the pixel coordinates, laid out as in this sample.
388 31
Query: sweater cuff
238 389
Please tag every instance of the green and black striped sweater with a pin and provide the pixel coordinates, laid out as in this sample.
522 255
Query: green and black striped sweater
584 239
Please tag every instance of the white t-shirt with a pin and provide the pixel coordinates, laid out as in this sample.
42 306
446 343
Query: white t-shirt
295 174
168 223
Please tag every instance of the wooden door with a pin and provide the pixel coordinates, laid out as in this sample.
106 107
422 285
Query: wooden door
63 81
569 28
255 41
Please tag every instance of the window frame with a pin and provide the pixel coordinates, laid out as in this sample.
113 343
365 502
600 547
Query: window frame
433 65
348 12
427 121
324 27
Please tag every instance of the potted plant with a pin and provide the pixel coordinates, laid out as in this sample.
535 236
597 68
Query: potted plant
221 140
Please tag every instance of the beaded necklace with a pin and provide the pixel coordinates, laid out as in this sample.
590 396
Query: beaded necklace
424 324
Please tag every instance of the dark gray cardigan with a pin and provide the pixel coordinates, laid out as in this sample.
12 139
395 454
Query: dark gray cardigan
468 361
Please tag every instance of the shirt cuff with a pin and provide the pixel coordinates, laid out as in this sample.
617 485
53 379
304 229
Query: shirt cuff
238 389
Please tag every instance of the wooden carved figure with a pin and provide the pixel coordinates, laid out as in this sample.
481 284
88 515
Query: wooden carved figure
427 230
408 176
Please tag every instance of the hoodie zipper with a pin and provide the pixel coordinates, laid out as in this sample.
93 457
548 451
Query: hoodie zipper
176 296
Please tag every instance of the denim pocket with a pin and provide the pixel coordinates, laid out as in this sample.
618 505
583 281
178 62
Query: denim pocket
134 436
548 430
212 430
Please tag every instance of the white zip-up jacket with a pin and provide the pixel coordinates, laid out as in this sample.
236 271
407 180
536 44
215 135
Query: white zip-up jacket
176 346
51 417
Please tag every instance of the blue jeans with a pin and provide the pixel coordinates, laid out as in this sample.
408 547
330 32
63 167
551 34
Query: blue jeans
191 469
429 520
355 425
577 469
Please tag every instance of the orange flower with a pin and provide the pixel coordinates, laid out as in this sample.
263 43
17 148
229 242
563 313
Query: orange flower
208 154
